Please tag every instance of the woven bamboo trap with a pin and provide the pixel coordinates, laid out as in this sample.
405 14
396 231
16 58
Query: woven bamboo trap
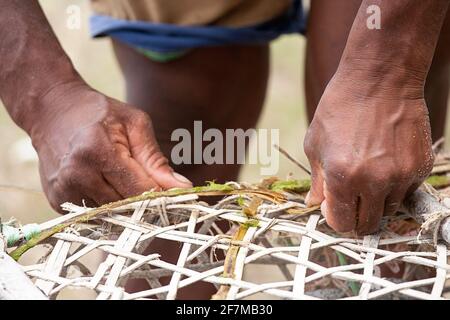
228 240
267 225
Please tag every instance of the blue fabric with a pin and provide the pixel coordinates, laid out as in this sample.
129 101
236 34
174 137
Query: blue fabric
162 38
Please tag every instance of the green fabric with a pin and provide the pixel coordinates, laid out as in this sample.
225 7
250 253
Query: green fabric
13 234
162 56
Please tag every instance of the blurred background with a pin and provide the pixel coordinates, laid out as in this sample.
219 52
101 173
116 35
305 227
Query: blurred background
20 190
94 59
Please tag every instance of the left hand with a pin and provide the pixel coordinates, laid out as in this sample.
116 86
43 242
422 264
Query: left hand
368 148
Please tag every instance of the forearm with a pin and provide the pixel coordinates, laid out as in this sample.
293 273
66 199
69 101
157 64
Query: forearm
401 51
32 62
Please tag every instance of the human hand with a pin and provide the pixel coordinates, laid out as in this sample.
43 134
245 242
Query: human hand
369 147
97 149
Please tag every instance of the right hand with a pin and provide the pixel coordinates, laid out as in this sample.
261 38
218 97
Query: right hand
96 149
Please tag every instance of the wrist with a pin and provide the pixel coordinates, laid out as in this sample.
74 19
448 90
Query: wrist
23 91
380 79
51 106
395 57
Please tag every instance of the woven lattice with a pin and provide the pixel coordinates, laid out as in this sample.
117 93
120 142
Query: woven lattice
313 262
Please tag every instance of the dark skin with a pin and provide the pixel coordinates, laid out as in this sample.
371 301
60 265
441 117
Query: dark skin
375 102
176 94
91 147
329 25
161 90
98 149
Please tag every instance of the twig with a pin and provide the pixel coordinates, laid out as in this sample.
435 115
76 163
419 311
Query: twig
437 146
287 155
5 187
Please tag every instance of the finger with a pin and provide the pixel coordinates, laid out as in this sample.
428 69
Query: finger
88 202
100 190
127 176
58 198
339 207
145 150
394 200
90 183
371 210
413 188
315 195
159 169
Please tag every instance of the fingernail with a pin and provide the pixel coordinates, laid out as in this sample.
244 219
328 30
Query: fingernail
181 178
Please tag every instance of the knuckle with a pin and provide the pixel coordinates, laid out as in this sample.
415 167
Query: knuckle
308 145
141 119
157 159
88 154
70 179
408 173
340 216
339 171
394 177
415 171
85 154
87 143
403 178
378 177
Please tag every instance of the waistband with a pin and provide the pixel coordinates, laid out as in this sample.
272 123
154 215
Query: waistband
160 37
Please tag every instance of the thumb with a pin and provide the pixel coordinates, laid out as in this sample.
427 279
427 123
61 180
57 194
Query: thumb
167 178
157 167
315 195
145 150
